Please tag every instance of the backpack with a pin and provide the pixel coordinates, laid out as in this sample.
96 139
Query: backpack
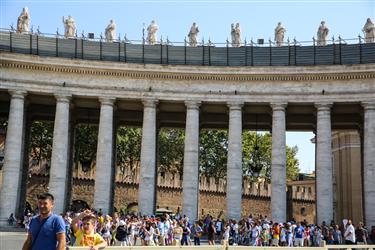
121 233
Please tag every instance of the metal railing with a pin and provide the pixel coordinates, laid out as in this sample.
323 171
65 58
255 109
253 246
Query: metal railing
294 53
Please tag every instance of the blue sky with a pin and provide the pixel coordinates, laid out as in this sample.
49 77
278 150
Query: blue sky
258 19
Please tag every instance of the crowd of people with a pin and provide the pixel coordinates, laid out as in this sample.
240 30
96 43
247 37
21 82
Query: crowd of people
93 228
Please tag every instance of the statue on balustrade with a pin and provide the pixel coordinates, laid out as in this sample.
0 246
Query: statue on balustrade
279 34
369 30
193 34
110 31
322 34
152 30
23 21
236 35
70 27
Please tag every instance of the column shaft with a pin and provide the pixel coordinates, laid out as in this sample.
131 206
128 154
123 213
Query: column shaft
324 186
103 171
278 168
190 182
369 163
147 183
234 165
9 193
59 162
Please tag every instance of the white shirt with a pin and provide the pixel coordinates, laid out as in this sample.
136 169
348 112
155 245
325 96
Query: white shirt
349 233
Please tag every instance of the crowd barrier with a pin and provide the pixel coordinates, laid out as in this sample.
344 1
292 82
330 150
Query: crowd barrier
222 247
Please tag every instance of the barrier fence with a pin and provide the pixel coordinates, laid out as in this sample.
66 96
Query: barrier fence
221 247
339 52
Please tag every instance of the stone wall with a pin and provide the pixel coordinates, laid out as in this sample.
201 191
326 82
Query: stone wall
214 203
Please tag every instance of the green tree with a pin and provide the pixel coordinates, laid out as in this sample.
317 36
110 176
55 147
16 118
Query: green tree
171 150
128 147
213 150
86 141
41 137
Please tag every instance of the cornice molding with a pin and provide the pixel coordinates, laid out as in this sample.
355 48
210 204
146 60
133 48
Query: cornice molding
188 76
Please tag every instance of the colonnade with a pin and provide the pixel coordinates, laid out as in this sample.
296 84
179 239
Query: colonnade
147 184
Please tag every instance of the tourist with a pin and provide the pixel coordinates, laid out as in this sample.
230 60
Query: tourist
121 234
197 232
211 231
349 234
226 234
47 230
11 219
83 227
337 236
361 234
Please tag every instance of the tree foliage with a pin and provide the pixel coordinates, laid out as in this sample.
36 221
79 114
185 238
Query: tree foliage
41 137
86 141
213 149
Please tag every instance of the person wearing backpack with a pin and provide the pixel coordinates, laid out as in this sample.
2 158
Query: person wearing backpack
121 234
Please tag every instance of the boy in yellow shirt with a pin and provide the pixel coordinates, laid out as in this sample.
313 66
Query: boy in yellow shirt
85 235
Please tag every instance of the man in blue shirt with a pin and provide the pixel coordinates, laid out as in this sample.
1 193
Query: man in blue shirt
47 230
298 235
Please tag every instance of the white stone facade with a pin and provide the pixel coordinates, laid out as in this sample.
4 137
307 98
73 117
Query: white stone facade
289 98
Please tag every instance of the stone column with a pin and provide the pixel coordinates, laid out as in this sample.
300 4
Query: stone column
103 170
278 161
9 193
324 185
190 182
234 165
59 160
147 181
369 163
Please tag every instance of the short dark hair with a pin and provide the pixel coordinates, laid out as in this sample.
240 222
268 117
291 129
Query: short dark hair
46 196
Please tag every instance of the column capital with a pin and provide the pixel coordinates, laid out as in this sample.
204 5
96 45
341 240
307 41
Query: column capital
63 98
323 106
370 105
20 94
191 104
150 102
107 101
235 105
278 106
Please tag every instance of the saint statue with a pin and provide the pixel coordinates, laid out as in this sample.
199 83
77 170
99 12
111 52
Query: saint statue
110 31
322 34
369 30
23 21
279 34
193 35
152 29
70 27
236 35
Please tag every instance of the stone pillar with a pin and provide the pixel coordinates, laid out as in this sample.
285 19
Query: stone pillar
190 182
278 168
234 165
147 180
369 163
59 160
103 170
9 193
324 185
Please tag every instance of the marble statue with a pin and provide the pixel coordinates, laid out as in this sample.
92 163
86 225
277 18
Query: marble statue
369 30
322 34
193 35
152 29
23 21
70 27
110 31
236 35
279 34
